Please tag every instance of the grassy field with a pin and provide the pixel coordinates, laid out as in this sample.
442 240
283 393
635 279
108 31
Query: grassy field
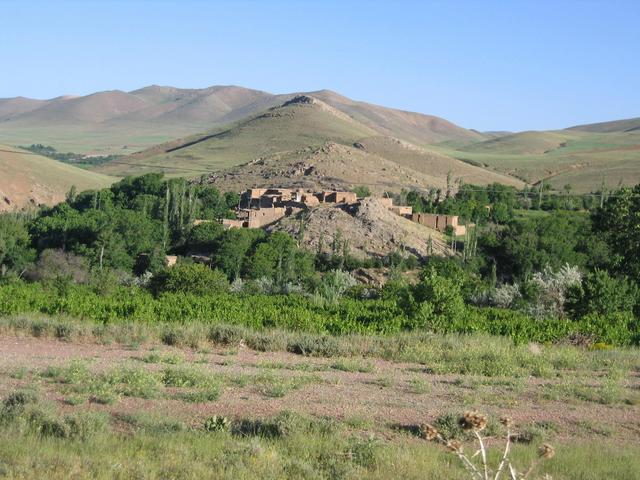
133 400
93 140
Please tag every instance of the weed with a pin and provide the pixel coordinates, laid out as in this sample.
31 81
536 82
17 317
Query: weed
171 358
347 365
188 377
382 382
275 386
226 334
418 386
364 451
19 373
216 423
75 400
152 423
210 394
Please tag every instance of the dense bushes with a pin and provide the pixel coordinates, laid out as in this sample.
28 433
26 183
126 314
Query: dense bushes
296 312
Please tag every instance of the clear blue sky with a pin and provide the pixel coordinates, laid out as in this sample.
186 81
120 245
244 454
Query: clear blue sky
492 65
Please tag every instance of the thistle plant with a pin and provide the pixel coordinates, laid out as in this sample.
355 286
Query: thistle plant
217 423
475 422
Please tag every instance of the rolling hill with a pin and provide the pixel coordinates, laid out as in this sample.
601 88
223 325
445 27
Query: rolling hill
308 143
27 179
583 157
244 135
117 122
628 125
413 127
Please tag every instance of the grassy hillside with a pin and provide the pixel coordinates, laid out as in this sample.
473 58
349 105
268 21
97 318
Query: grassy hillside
580 157
307 143
28 179
627 125
522 143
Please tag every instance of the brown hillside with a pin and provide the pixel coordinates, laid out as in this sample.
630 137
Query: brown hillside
10 107
627 125
414 127
27 179
94 108
370 229
308 143
105 122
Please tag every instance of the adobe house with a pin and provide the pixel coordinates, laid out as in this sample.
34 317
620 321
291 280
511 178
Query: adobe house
260 217
439 222
402 210
337 197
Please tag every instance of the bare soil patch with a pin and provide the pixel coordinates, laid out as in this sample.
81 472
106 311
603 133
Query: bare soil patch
379 393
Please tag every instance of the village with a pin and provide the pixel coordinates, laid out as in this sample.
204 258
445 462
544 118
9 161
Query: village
259 207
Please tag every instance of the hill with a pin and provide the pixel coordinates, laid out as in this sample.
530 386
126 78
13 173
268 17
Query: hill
582 157
304 142
413 127
28 179
628 125
525 143
117 122
370 228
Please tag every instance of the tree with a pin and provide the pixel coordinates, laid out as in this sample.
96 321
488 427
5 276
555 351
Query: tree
59 266
232 249
279 259
334 284
618 223
439 300
529 245
602 294
204 236
263 262
15 245
194 278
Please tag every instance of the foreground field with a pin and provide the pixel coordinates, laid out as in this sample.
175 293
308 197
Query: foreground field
130 401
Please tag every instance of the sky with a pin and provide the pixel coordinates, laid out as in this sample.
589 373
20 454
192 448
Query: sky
489 65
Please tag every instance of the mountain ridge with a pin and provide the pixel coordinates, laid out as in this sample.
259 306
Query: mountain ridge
108 121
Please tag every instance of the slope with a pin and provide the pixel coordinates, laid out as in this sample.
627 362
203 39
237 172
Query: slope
627 125
122 122
304 143
296 124
582 159
414 127
370 228
526 143
28 179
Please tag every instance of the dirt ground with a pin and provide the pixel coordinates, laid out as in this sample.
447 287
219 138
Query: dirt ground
381 394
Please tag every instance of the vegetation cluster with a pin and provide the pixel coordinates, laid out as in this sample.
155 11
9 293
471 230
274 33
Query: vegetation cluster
564 273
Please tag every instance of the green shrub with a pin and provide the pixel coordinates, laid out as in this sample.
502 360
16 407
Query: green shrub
193 278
